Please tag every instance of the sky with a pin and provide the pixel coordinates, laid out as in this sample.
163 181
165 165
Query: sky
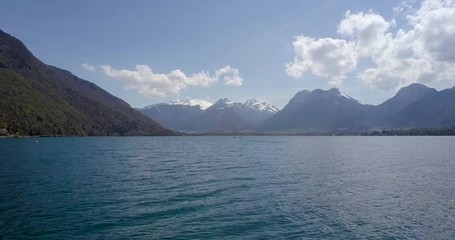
148 52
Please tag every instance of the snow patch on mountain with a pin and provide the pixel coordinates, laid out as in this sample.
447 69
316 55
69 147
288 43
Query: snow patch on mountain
260 106
225 101
222 103
340 94
203 104
347 96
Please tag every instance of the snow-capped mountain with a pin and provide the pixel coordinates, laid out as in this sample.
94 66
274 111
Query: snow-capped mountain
260 106
195 115
203 104
225 103
252 104
227 115
176 114
318 111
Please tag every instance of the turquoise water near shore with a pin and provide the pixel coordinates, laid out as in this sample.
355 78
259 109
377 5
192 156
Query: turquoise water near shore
224 187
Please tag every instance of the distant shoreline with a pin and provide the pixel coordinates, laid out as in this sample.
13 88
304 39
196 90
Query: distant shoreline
392 132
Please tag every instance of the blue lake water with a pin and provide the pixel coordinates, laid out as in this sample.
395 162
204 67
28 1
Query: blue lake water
225 187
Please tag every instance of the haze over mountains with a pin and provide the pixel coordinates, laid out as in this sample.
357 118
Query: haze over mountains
38 99
317 112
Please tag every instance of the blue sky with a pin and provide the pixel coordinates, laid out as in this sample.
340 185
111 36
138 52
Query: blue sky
147 52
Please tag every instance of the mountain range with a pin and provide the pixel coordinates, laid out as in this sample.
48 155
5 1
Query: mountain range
39 99
193 115
316 112
418 106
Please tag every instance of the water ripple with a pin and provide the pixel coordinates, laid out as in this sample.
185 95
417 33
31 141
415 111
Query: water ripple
220 187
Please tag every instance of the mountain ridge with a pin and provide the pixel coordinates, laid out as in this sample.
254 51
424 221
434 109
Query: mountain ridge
330 111
39 99
318 111
202 104
223 115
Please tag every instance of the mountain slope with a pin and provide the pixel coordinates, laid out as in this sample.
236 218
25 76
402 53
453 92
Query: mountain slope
388 110
436 109
200 103
220 117
38 99
260 106
193 115
320 111
414 106
176 114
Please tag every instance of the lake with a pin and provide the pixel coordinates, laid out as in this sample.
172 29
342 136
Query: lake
224 187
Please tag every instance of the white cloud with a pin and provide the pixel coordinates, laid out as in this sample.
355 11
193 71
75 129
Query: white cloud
88 67
325 57
434 26
366 31
229 75
422 51
152 84
235 81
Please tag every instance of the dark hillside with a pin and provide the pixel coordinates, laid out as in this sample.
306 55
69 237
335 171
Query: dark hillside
38 99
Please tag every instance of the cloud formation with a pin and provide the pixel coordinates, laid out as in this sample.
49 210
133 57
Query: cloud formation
422 51
325 57
152 84
229 75
88 67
